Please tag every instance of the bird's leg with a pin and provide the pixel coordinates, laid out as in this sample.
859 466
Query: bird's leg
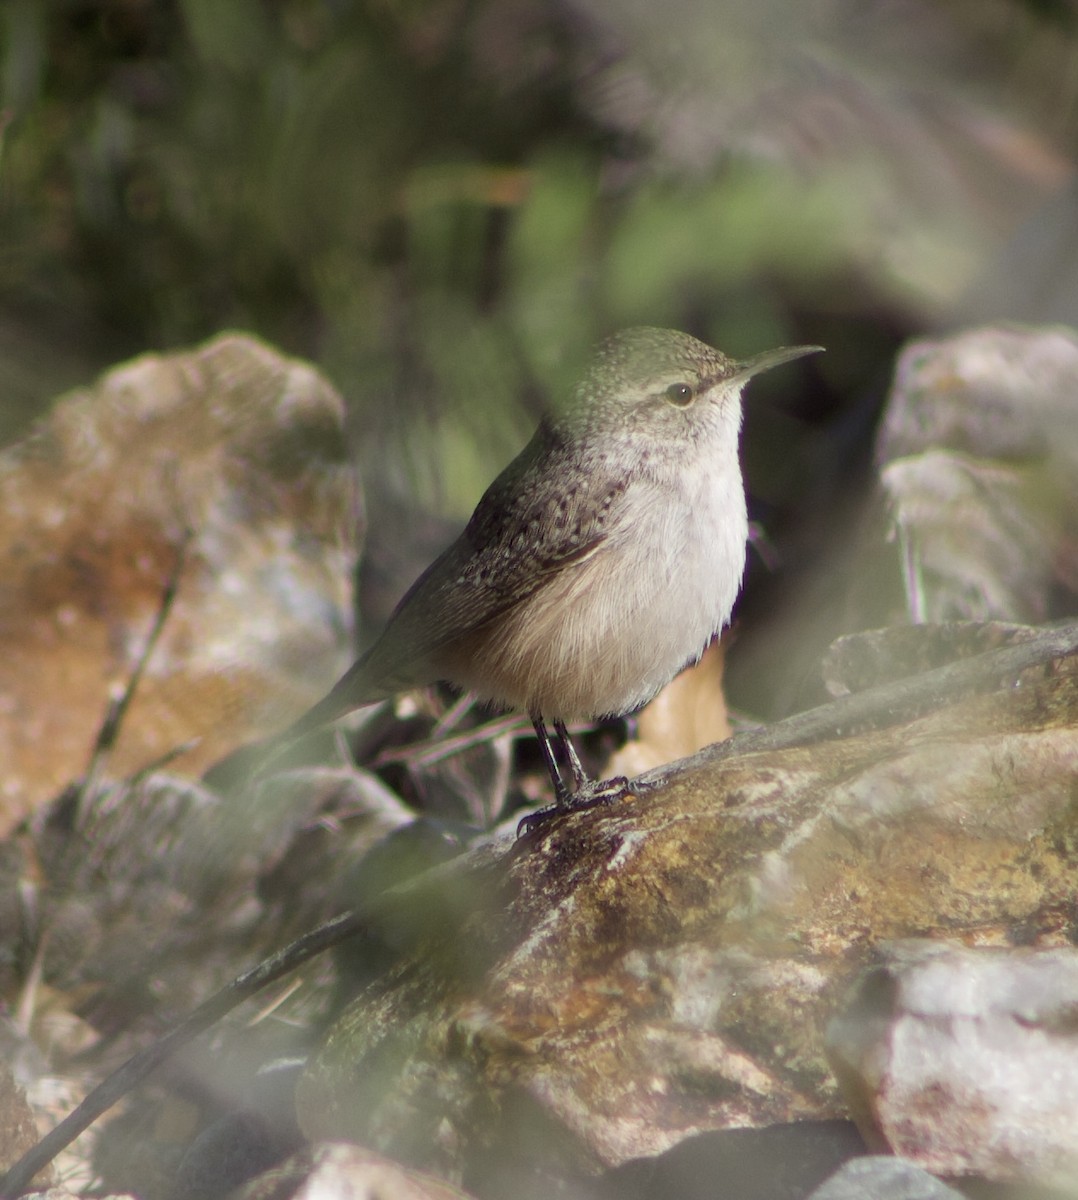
580 776
561 792
586 793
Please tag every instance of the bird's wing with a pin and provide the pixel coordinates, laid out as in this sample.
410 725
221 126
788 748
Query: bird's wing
546 513
549 510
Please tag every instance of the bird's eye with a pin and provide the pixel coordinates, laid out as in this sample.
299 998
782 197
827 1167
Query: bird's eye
680 394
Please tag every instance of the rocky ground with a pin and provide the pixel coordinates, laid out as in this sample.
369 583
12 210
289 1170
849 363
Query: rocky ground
849 931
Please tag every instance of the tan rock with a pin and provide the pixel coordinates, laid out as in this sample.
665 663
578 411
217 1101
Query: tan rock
239 447
688 714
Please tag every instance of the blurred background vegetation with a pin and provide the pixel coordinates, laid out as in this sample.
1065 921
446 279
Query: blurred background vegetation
444 202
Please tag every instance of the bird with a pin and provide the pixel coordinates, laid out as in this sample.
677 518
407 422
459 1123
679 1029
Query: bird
601 561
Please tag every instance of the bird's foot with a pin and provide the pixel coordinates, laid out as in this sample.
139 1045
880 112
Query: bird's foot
591 794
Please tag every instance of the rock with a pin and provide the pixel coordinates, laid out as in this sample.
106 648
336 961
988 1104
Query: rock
634 975
18 1131
859 660
964 1059
688 714
973 546
342 1172
999 392
879 1177
230 1152
223 469
779 1162
979 454
268 863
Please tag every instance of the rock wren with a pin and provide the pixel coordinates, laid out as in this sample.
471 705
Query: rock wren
600 562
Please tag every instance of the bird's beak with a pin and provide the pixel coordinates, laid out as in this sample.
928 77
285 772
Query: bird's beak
771 358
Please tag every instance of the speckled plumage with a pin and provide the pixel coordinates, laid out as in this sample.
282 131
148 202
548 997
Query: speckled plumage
603 558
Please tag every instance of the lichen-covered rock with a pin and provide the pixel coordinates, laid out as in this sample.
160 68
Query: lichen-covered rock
223 468
667 965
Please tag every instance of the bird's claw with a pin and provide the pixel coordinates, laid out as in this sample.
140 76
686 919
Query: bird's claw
593 794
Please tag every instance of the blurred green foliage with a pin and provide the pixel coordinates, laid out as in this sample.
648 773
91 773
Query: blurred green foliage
410 192
344 179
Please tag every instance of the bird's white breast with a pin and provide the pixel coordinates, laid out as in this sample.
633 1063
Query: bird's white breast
604 636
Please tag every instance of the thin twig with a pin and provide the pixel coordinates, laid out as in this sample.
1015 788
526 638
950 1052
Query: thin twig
24 1009
432 750
454 714
109 730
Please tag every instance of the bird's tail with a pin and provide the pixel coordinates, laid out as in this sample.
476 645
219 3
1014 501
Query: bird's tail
353 690
254 760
